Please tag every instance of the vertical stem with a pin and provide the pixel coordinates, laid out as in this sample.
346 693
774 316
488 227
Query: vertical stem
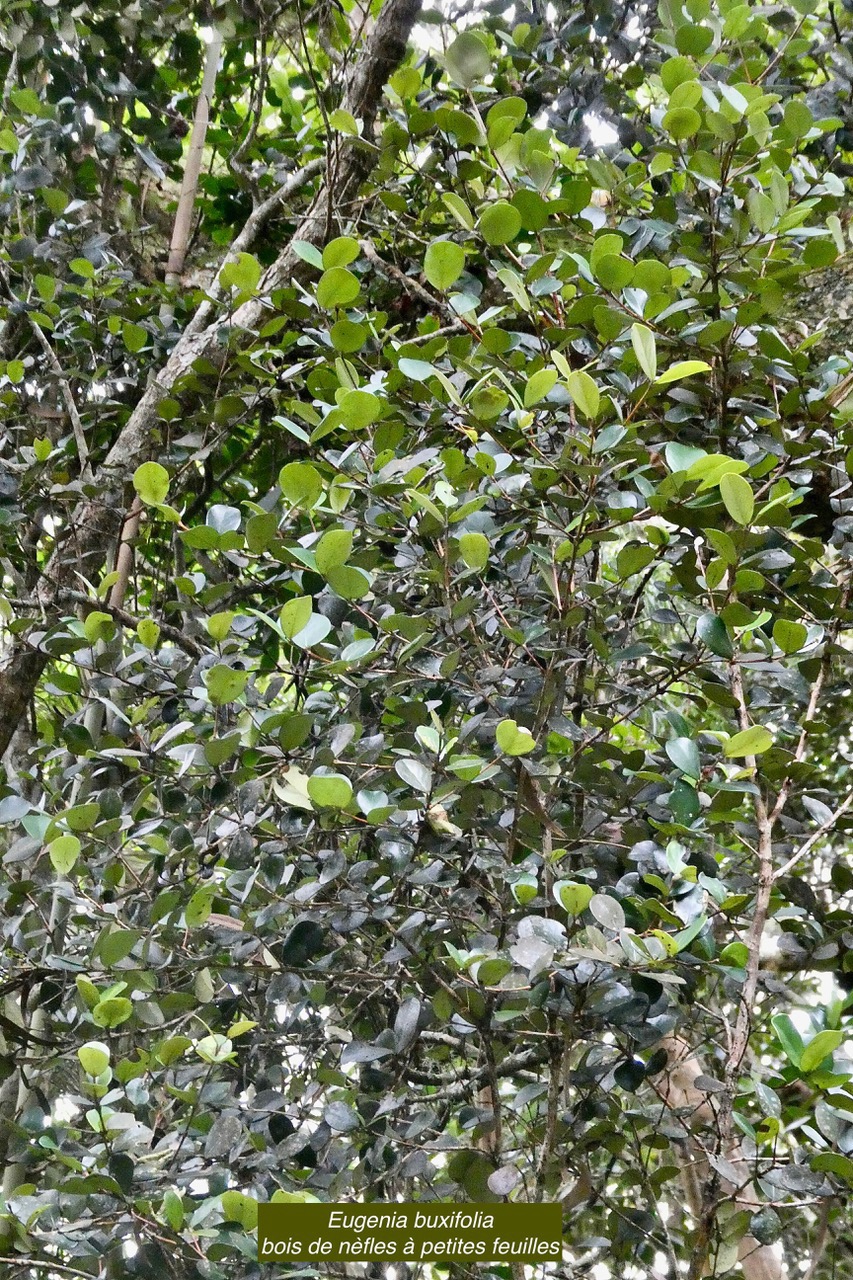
192 169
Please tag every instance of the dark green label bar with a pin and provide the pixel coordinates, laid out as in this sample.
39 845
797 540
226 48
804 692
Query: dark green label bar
409 1232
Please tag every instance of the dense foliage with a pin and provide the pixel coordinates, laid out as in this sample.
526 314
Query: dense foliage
465 737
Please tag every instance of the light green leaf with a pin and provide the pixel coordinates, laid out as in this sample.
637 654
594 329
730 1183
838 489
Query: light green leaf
225 684
244 273
359 409
514 739
199 906
738 497
148 632
337 287
240 1208
219 625
333 550
330 790
684 369
540 384
573 896
645 349
474 550
295 615
134 336
824 1043
749 742
301 484
151 482
94 1057
344 122
499 223
63 853
468 59
790 636
340 252
444 263
584 392
112 1012
98 626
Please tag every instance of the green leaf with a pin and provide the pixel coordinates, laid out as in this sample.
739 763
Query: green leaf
116 945
134 336
499 223
824 1043
359 409
790 636
63 853
681 122
711 468
834 1162
301 484
151 482
749 742
333 550
584 393
82 267
468 59
681 457
330 790
261 531
172 1209
295 615
225 684
573 896
148 632
82 817
444 263
240 1208
337 287
711 630
738 497
94 1057
199 906
98 626
344 122
684 369
219 625
762 211
416 370
474 550
539 385
244 273
340 252
112 1012
788 1036
315 630
684 754
349 582
513 739
645 349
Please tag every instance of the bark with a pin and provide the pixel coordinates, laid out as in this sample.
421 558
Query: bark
96 524
700 1115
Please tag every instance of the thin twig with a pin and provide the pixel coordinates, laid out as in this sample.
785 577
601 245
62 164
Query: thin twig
67 396
816 835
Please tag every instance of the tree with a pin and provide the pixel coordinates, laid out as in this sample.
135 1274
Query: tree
426 598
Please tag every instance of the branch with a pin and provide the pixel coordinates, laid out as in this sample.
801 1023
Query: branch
178 637
192 168
821 831
67 396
